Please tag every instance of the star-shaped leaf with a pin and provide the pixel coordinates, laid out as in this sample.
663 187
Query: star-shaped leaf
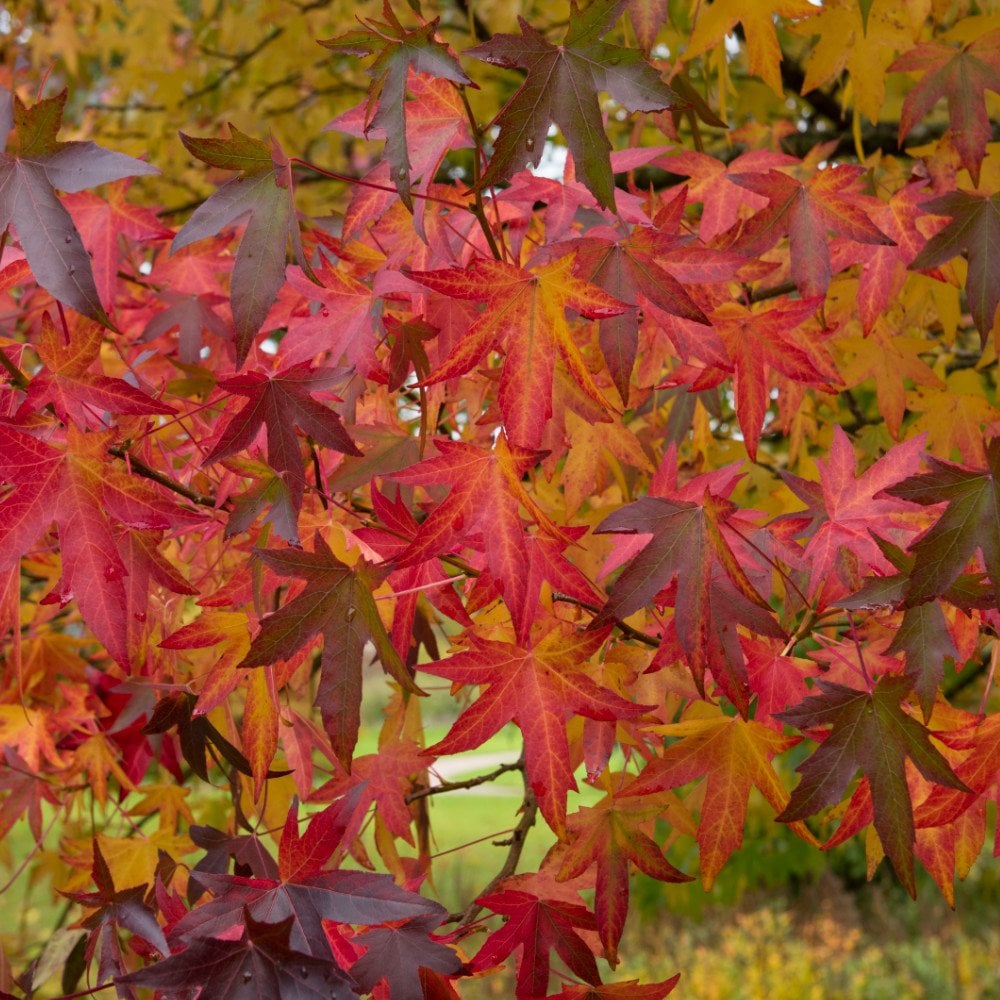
398 49
688 542
736 755
804 212
610 834
561 86
539 687
871 732
36 163
526 313
262 194
282 401
968 523
537 926
963 76
337 602
975 230
258 965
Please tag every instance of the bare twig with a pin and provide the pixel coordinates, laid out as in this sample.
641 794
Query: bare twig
450 786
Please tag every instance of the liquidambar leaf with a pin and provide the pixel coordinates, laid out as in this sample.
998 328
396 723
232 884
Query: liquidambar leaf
338 603
36 163
262 192
873 733
562 86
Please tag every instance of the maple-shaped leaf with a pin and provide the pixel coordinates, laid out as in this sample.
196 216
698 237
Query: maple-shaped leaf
526 313
346 897
975 230
979 771
263 191
561 86
804 213
851 511
75 392
758 341
36 163
337 602
396 954
258 965
736 755
872 732
247 851
326 839
963 76
968 523
102 223
192 315
436 123
280 401
537 927
610 834
115 908
398 49
688 542
626 269
628 989
758 17
539 687
486 492
88 497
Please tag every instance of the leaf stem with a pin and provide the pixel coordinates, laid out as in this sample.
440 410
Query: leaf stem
478 208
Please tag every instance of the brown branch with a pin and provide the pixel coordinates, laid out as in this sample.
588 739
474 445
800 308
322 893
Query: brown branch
238 61
515 846
450 786
17 377
626 630
154 475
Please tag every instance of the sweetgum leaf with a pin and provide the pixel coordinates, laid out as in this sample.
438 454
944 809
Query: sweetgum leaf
347 897
537 926
259 965
871 732
561 86
397 954
263 191
36 163
281 402
397 50
338 603
967 524
974 230
963 76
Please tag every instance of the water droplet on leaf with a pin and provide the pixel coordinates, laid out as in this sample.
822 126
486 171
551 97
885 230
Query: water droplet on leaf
530 144
67 239
349 614
325 313
247 976
401 173
72 269
139 616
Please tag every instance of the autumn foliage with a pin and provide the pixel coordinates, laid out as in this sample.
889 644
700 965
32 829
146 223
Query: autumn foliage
685 465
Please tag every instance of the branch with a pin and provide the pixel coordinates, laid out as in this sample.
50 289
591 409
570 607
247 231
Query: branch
238 61
515 847
626 630
148 472
450 786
